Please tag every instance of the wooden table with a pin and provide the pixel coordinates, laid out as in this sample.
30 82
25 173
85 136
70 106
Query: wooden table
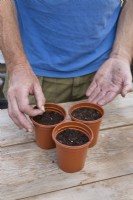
30 173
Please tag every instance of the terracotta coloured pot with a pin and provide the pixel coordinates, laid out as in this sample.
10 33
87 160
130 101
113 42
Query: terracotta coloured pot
43 133
95 124
71 158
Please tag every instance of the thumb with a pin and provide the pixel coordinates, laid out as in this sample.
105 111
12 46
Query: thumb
39 96
126 88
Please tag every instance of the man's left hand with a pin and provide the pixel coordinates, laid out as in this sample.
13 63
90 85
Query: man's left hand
113 78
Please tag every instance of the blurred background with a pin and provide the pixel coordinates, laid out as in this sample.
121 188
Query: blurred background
3 102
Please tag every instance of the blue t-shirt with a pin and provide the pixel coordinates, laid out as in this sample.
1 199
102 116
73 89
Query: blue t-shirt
67 38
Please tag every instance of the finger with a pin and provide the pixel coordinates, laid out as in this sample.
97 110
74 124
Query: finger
94 94
127 88
91 88
39 96
109 96
100 96
25 107
17 116
11 115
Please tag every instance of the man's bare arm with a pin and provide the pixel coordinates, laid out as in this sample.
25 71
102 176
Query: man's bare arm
114 76
22 81
10 40
123 45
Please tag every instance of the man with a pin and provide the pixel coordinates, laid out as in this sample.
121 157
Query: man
64 42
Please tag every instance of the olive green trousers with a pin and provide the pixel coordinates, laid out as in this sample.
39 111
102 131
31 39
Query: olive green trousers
60 90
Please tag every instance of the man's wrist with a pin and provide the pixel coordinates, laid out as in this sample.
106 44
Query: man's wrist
19 65
122 56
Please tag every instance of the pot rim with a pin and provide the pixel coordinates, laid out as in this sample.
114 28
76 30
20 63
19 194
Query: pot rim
73 125
52 106
75 106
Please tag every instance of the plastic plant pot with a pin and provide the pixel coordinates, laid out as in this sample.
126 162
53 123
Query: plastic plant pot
43 133
93 124
71 158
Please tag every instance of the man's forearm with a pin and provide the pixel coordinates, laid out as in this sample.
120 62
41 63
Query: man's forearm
10 40
123 45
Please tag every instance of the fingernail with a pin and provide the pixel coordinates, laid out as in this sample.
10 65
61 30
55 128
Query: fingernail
30 130
43 108
124 94
101 103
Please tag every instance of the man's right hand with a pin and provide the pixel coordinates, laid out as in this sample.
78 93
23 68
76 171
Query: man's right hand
22 83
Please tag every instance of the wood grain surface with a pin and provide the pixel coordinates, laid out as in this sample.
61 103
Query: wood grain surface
28 170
